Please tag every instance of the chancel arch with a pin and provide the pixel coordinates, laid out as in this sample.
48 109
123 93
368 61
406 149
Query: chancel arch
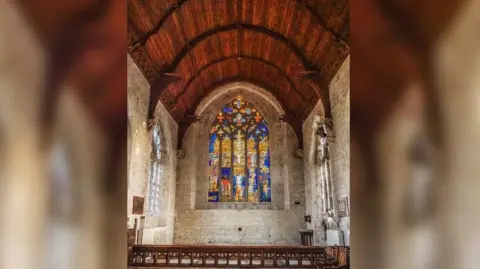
239 88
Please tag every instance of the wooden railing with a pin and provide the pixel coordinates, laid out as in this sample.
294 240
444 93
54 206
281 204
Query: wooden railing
238 256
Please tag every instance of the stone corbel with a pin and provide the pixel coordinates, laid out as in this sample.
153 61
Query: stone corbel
160 84
183 127
320 85
298 153
296 124
180 154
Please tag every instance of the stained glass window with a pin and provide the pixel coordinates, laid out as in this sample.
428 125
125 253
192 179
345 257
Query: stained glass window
156 174
239 155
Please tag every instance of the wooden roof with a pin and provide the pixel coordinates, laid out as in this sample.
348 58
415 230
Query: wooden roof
271 43
393 42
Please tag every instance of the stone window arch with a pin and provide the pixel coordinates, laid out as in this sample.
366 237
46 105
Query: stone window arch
156 174
239 155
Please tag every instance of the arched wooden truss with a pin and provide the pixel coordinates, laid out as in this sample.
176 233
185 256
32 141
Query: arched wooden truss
186 48
393 41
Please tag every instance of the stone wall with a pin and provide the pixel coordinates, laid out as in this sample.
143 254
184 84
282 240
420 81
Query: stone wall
222 226
340 158
139 140
340 150
312 187
278 222
157 229
295 189
169 162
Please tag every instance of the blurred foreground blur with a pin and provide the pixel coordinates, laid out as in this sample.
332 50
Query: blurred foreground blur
62 134
415 128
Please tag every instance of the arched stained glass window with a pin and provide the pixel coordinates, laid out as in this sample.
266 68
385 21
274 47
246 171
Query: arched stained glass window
239 155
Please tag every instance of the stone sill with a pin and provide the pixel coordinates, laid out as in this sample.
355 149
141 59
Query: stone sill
153 222
158 228
239 206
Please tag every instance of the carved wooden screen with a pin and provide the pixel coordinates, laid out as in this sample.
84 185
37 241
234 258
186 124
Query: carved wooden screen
239 155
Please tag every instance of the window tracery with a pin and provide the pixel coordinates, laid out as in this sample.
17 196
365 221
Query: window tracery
239 155
156 173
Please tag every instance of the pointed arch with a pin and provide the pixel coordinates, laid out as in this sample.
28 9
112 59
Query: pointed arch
239 155
156 174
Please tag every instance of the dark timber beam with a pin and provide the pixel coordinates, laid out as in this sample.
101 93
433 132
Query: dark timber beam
177 5
159 24
320 85
245 27
227 81
292 33
156 90
218 61
184 36
183 127
296 124
324 25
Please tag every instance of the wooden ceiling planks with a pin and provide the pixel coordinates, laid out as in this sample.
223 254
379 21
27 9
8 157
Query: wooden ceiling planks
202 42
322 9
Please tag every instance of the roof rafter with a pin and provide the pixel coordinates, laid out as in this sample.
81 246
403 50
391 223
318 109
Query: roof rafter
295 121
245 27
177 5
227 81
184 36
324 25
223 59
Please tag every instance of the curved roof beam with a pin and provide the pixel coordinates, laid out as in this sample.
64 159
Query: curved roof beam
203 68
324 25
179 4
234 88
249 27
230 80
295 122
183 127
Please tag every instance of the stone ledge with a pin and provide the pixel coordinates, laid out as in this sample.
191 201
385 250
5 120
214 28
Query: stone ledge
239 206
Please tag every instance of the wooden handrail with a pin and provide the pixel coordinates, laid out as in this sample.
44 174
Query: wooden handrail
132 239
230 256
